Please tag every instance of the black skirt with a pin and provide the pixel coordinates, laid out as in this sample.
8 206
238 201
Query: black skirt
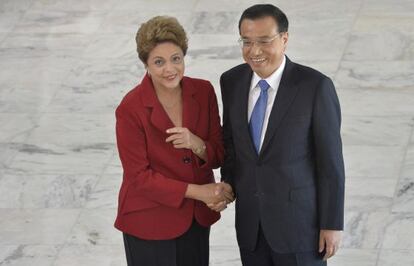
189 249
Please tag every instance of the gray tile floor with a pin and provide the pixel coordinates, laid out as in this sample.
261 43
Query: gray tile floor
65 65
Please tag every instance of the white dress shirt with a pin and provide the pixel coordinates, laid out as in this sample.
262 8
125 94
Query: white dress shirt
254 93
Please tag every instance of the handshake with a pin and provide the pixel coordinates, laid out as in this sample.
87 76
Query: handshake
215 195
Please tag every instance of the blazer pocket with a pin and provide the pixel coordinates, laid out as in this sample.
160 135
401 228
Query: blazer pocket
137 204
307 193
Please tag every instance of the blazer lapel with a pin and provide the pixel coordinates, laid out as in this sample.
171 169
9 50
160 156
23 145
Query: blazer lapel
191 107
285 95
159 117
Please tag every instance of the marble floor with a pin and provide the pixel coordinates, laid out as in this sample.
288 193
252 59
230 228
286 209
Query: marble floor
65 65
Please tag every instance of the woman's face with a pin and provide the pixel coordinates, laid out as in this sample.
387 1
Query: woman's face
165 65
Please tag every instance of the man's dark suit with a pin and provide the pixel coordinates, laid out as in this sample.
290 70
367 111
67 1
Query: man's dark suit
295 186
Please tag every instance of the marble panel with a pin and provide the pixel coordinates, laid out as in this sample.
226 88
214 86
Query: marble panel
112 46
44 45
354 257
376 131
7 153
322 39
210 70
67 143
377 102
35 74
373 161
7 22
46 191
128 21
159 6
32 91
25 100
399 233
105 79
223 233
86 159
217 47
387 8
225 256
396 257
365 230
408 166
221 22
60 21
376 74
95 227
369 193
16 127
15 5
327 67
404 194
105 194
100 255
17 255
373 35
63 5
75 132
319 10
36 226
114 166
3 36
227 5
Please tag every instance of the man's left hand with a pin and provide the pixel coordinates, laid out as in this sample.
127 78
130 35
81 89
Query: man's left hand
329 240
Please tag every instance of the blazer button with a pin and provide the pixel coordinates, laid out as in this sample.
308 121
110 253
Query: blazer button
186 160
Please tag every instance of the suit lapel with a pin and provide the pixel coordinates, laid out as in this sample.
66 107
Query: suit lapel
242 86
285 95
159 117
191 107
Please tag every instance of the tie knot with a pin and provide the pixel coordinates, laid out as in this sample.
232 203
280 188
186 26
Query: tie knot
263 85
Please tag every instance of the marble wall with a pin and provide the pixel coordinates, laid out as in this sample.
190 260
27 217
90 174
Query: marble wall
65 65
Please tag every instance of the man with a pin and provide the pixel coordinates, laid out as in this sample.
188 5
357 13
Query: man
283 149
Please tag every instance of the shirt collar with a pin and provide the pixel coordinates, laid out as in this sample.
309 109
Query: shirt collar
273 80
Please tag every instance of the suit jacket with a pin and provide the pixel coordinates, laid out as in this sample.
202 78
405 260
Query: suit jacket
295 186
156 175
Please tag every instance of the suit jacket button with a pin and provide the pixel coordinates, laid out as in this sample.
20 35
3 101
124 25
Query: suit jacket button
186 160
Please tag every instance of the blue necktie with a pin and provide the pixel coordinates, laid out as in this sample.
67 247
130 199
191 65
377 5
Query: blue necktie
258 114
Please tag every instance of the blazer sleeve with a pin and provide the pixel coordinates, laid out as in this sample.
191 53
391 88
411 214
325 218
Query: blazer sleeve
329 158
229 154
138 174
214 143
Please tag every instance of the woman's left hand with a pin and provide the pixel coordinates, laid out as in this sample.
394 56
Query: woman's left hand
181 138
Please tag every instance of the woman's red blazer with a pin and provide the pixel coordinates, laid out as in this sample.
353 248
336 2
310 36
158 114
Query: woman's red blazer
151 202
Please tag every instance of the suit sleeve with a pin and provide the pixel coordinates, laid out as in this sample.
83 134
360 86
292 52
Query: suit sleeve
329 158
214 143
138 174
229 154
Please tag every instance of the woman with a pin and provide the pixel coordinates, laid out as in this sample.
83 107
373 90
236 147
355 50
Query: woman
169 140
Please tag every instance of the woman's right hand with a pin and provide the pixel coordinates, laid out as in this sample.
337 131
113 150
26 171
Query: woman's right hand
213 194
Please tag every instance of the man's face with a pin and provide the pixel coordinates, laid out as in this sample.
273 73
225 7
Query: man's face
263 47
